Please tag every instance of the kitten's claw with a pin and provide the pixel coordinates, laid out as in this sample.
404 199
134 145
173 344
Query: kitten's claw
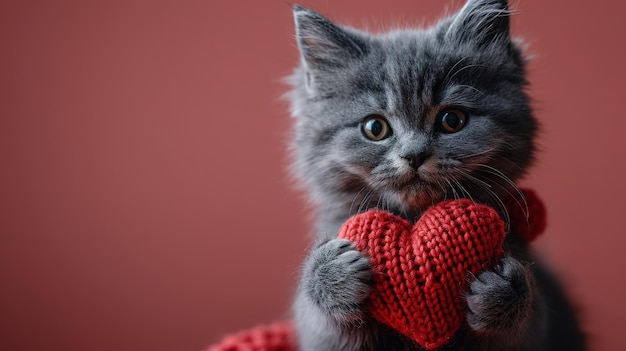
338 279
501 298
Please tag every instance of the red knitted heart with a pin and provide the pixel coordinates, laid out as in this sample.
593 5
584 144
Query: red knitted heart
421 270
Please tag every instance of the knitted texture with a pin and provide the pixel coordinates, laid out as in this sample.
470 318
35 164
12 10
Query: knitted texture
419 270
275 337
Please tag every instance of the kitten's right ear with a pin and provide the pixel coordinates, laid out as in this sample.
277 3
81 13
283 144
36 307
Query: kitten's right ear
323 44
484 23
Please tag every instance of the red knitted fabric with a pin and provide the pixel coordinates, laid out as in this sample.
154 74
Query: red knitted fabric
275 337
419 270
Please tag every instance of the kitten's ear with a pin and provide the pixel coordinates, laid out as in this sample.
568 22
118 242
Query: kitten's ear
484 23
322 43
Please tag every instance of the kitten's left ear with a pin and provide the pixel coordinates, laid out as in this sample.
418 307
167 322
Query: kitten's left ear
484 23
323 44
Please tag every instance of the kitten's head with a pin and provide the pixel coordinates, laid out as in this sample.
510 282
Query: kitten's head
411 117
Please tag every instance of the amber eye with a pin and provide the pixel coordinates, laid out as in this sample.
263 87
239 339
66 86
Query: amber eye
375 128
451 120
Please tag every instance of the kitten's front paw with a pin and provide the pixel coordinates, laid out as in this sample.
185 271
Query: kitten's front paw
338 279
500 299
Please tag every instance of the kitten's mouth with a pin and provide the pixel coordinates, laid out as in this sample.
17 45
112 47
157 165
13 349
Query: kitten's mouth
414 194
407 180
421 195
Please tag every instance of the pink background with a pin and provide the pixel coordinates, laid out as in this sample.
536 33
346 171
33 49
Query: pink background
144 203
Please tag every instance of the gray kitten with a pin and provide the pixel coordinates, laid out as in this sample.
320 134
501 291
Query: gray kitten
400 121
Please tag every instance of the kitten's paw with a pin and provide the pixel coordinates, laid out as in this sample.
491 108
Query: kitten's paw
500 299
338 279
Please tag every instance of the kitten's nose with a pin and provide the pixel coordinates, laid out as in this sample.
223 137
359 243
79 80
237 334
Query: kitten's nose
415 160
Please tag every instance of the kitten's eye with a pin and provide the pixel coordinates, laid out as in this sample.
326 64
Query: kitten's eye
375 128
451 121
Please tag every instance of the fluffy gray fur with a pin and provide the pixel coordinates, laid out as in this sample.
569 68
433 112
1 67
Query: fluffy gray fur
466 63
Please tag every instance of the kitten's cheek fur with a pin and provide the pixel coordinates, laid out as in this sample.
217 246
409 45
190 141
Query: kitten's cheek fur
337 279
501 300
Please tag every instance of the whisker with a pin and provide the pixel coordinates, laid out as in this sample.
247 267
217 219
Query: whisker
511 183
445 79
462 157
444 191
456 195
350 213
472 88
464 68
487 188
524 209
365 201
514 164
378 202
463 190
